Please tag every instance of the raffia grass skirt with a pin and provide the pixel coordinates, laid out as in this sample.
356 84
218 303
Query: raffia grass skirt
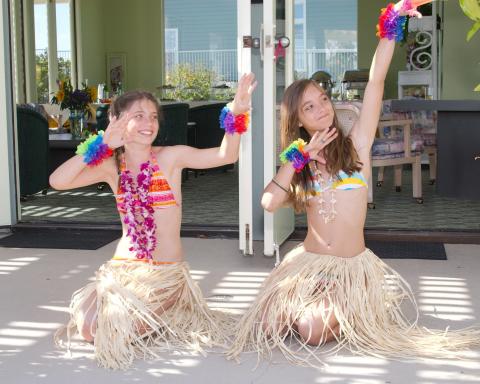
131 322
367 296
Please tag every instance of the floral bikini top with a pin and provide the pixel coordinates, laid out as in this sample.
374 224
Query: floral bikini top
159 191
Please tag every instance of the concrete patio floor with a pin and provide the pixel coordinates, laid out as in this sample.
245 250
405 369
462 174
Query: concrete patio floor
36 284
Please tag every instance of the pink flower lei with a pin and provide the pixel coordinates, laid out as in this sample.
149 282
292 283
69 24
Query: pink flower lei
139 212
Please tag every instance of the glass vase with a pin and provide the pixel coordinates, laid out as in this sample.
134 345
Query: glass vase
77 120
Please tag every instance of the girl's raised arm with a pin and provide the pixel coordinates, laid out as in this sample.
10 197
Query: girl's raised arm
390 29
234 120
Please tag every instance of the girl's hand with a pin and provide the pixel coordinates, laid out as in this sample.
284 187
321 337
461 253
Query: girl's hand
318 142
409 7
242 101
116 134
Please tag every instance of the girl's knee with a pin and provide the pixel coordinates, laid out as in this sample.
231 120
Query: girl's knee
316 332
86 332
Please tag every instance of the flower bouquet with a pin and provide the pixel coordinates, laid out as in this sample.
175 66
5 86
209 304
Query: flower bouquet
77 101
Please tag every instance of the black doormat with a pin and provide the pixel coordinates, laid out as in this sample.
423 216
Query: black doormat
59 238
407 250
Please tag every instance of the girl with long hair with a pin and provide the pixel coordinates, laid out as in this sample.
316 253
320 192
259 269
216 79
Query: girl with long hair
331 287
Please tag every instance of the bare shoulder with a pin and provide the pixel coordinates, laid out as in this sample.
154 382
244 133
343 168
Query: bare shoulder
167 155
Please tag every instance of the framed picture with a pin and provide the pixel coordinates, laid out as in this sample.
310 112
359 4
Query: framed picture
116 71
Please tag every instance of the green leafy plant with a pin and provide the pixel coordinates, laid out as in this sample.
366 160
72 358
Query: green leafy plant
471 8
189 83
41 61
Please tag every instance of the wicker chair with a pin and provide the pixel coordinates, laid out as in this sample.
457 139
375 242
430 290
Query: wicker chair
400 151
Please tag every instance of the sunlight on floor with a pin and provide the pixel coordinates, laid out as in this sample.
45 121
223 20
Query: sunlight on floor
198 275
236 291
49 211
10 265
24 334
445 298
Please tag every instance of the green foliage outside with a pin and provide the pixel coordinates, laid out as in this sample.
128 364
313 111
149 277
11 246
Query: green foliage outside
194 84
41 61
471 8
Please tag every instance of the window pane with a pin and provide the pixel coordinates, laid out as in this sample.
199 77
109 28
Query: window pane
41 45
200 45
63 39
325 37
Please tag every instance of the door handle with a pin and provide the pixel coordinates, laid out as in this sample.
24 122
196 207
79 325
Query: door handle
476 157
283 41
261 42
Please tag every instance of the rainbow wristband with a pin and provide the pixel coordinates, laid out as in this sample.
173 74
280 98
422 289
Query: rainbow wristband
390 24
93 149
296 155
233 123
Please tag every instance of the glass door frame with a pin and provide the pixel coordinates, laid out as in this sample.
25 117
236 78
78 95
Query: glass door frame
245 166
278 225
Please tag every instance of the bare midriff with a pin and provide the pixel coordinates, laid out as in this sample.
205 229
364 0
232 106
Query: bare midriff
169 246
343 236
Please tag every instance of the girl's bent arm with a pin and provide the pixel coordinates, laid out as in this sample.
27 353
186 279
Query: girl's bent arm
275 194
227 153
74 173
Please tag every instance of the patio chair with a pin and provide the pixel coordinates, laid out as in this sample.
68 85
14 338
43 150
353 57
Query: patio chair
386 152
206 132
33 151
173 125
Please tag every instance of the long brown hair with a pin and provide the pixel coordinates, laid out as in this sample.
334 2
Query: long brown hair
340 154
122 103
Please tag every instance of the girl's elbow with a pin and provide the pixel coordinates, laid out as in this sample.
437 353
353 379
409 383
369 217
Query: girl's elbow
232 157
55 182
268 204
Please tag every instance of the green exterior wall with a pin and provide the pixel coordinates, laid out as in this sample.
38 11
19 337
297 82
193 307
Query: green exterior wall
131 27
461 60
92 41
368 11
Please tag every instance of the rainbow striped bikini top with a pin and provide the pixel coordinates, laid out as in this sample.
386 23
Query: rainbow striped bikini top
342 181
159 191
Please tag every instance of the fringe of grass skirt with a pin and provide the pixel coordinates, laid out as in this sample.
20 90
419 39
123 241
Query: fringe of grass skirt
131 322
367 296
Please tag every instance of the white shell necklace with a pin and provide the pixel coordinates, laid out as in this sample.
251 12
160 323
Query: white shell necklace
326 207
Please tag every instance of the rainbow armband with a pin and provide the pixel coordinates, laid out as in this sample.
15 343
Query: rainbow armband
233 123
390 24
296 155
94 150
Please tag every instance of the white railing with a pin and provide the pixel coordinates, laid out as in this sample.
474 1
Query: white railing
307 61
223 61
333 61
65 55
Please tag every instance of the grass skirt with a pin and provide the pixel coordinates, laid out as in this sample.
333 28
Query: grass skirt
367 296
131 322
